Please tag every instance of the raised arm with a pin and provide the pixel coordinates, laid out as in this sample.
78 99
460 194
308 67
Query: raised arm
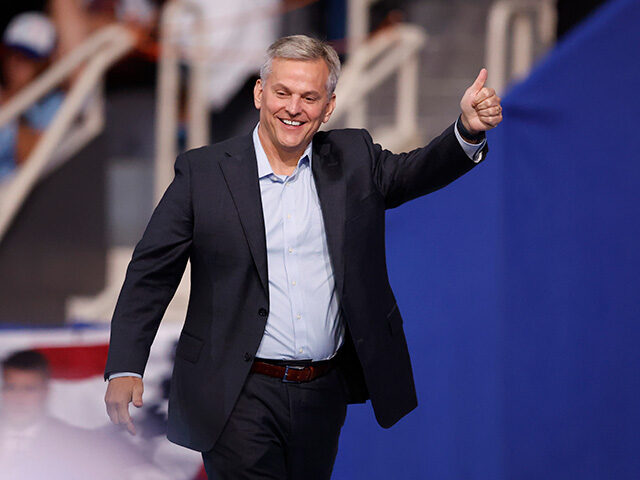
402 177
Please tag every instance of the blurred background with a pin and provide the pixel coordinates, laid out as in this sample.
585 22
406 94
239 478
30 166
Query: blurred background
518 284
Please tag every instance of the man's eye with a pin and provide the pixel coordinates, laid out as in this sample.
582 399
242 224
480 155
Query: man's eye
281 94
310 99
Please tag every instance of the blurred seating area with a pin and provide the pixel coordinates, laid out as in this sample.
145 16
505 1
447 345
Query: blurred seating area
98 97
92 178
28 45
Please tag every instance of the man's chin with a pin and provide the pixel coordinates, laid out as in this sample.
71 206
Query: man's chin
292 145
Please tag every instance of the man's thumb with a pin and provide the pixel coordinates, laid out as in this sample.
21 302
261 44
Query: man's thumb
137 395
480 80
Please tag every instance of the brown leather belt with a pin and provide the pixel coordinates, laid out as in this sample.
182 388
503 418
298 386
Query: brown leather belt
292 373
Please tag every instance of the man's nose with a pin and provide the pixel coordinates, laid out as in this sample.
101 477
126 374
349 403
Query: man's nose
294 105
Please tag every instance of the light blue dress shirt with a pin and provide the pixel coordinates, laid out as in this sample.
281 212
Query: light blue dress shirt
473 150
304 319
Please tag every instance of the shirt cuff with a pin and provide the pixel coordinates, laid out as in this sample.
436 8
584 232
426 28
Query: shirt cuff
124 374
473 150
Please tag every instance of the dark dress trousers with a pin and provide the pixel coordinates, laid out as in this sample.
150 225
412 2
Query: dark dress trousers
212 214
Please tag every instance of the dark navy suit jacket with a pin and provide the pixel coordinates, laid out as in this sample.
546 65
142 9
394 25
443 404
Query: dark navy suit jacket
212 214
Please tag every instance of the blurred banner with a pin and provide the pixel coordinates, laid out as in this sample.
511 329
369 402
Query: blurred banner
519 286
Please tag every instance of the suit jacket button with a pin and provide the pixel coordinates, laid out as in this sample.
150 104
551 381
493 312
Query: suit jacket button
262 312
247 357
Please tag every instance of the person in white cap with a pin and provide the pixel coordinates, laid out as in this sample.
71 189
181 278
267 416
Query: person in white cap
28 44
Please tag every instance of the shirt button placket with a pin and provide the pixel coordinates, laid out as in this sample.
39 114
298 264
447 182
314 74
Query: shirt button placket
298 305
288 204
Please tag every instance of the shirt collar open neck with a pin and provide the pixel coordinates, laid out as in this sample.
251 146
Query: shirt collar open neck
264 167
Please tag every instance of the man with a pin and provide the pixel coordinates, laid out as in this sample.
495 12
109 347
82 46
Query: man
35 445
291 315
28 44
32 443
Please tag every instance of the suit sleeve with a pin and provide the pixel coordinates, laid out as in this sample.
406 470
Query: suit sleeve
405 176
153 275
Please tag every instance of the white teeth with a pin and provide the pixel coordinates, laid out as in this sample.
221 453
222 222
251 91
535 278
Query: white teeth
292 122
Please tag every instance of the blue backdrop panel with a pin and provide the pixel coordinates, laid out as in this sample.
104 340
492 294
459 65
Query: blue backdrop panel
519 286
571 274
442 261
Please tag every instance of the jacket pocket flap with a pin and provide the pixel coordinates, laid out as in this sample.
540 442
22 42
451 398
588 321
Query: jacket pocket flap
189 347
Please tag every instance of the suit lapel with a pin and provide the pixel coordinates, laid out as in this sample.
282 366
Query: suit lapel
240 171
330 184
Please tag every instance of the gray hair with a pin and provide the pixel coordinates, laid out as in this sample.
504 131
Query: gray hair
301 47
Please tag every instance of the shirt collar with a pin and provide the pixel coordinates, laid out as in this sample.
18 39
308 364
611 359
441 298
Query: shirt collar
264 167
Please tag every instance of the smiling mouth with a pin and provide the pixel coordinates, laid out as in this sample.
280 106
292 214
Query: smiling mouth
291 123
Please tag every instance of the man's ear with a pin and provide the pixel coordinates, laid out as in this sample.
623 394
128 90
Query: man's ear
257 94
330 108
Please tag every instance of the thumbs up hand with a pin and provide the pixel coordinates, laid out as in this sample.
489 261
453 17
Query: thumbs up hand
481 110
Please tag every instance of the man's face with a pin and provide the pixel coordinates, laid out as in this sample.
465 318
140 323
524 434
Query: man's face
24 396
18 70
293 103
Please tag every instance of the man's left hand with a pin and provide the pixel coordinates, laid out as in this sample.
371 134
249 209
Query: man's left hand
481 109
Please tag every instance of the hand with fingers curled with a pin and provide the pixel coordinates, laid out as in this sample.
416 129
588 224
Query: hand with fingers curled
481 109
120 392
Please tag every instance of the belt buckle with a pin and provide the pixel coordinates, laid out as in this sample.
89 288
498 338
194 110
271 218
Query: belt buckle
286 372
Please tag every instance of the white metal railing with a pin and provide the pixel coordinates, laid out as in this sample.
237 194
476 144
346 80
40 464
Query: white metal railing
79 119
393 50
518 31
358 25
168 89
99 308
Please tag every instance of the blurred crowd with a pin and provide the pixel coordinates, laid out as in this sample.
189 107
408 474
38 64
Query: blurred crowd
28 44
35 34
